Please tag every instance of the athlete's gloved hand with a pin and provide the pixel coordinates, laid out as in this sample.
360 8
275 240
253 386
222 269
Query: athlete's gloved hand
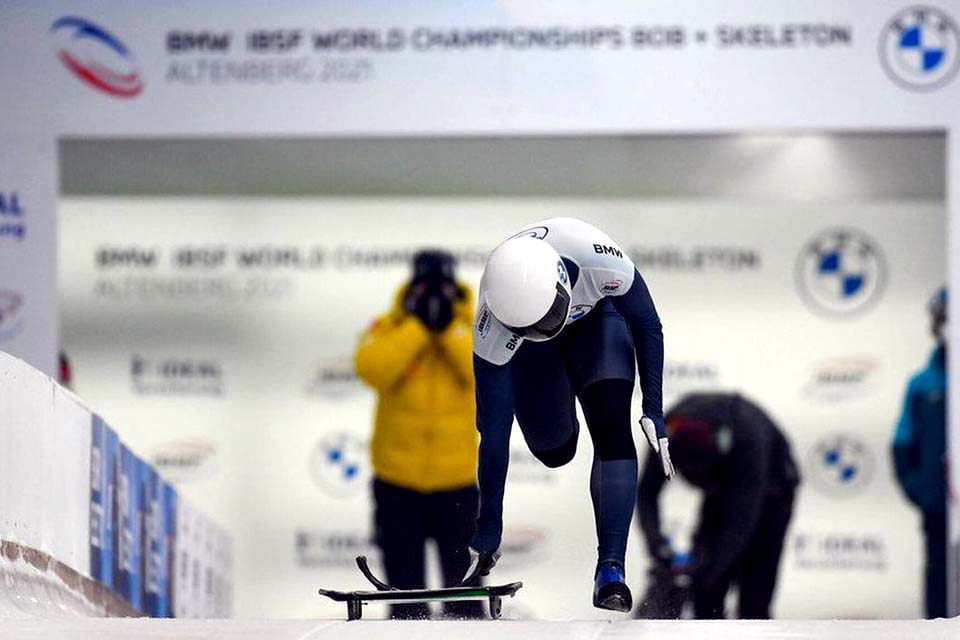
659 443
481 562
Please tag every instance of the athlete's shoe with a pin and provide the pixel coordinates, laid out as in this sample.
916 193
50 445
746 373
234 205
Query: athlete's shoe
610 590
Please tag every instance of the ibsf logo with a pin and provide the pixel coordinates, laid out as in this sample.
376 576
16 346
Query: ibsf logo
841 272
11 314
919 48
840 465
97 57
338 464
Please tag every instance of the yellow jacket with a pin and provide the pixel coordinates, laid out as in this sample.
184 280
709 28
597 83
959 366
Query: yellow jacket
425 436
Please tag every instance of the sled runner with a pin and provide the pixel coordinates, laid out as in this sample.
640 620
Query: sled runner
385 593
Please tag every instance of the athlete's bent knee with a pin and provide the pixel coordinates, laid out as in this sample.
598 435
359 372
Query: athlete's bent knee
558 456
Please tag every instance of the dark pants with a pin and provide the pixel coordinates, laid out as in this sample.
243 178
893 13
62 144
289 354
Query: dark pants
935 532
755 572
405 520
592 359
548 376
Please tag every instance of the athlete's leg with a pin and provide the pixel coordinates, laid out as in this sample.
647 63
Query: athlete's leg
544 403
599 355
613 479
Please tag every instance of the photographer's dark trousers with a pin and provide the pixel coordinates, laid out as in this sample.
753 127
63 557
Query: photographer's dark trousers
404 521
755 573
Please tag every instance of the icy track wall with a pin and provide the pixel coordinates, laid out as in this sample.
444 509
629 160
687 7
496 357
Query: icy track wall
86 526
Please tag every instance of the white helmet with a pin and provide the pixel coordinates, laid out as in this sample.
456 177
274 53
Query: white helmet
527 288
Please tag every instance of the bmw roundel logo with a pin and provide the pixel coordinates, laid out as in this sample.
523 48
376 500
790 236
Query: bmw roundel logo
840 464
96 56
841 272
920 48
339 464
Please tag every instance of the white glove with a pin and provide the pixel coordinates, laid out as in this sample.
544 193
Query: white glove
659 445
481 562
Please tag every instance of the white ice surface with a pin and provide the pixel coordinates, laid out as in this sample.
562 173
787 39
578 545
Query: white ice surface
117 629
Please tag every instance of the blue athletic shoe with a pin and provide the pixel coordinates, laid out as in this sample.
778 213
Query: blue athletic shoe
610 590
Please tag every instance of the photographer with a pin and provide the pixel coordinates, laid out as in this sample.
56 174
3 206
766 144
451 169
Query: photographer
419 358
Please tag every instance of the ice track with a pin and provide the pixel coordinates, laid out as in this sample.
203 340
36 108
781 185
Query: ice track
151 629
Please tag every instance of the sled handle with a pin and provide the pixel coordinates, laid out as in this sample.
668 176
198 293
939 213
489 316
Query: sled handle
365 570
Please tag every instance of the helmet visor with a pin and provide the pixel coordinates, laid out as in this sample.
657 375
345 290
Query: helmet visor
551 323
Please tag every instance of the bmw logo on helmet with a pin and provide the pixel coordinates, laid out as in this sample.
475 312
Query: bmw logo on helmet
840 272
920 48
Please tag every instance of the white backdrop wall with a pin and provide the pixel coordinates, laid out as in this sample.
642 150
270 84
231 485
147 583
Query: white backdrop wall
218 332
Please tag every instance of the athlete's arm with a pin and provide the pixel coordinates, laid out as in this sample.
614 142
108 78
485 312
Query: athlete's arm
637 307
494 421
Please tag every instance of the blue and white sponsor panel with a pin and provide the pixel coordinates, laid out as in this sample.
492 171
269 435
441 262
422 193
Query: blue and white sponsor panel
93 506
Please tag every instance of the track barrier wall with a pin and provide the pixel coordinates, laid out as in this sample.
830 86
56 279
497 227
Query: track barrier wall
87 527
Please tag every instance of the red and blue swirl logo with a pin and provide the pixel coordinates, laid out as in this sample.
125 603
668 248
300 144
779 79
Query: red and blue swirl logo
97 57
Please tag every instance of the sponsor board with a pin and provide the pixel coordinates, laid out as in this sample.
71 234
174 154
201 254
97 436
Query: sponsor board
696 259
176 375
687 376
840 273
128 569
157 546
12 216
306 55
843 378
185 460
839 551
333 379
104 455
340 464
840 465
920 48
333 547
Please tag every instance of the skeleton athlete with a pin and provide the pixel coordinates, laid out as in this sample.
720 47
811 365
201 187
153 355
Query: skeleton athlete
563 313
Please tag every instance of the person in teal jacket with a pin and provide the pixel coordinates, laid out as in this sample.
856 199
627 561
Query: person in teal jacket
919 456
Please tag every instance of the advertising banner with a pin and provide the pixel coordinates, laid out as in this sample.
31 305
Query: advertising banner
105 504
613 66
28 251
